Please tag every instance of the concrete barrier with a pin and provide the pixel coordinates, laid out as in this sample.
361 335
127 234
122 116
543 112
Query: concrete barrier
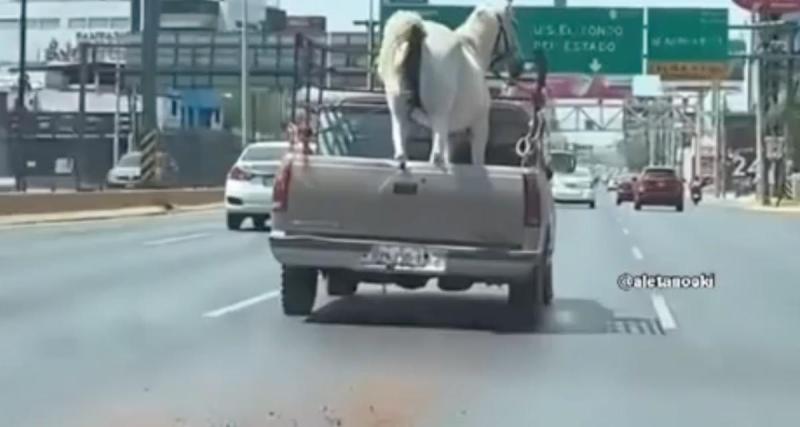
20 204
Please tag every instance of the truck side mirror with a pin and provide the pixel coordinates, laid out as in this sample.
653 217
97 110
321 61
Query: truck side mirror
548 172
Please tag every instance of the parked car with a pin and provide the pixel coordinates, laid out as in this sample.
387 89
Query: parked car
625 188
576 187
248 189
127 172
659 186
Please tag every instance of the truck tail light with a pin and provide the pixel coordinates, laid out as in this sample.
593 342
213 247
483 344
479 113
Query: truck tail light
280 190
532 200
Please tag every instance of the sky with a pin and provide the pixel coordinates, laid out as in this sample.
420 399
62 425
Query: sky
342 13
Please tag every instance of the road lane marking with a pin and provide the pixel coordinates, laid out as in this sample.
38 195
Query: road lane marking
242 304
176 239
637 253
625 231
662 312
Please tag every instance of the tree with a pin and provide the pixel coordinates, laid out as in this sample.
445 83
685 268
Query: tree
52 52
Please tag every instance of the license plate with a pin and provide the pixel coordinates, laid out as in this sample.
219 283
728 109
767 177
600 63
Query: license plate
404 258
268 181
572 185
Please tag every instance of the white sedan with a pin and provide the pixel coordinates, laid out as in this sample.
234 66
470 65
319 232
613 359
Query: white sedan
248 190
576 187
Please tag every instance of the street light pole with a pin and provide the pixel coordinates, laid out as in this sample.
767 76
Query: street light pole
371 44
244 96
18 158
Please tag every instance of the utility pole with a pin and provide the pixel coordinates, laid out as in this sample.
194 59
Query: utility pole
152 14
761 161
699 133
715 104
371 45
22 82
245 65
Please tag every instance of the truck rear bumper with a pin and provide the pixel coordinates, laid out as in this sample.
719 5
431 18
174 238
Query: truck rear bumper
347 254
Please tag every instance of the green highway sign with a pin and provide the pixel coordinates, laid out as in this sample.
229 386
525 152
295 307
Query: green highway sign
584 40
688 43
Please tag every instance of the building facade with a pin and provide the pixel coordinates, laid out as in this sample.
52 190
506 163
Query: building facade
56 27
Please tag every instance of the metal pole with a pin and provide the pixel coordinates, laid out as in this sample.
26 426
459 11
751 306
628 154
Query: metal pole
371 45
18 160
152 13
80 146
715 120
117 73
723 150
23 32
245 63
700 133
762 182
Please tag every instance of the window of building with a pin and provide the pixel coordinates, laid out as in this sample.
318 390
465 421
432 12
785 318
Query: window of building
99 23
48 23
76 23
8 23
120 23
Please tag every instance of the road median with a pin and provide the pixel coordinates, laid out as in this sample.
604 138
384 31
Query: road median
83 204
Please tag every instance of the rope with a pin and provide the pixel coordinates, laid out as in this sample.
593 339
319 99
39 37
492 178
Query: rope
530 144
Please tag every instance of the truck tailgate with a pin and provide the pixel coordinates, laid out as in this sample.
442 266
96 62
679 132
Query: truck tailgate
375 199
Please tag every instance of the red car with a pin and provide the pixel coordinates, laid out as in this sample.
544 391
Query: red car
659 186
625 189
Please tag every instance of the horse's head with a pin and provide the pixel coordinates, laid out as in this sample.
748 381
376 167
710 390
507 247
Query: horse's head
506 45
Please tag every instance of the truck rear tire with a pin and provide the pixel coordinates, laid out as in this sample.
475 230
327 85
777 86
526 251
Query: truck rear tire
298 290
547 287
637 206
525 294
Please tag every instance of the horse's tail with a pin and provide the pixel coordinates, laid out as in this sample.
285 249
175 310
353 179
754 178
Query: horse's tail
401 52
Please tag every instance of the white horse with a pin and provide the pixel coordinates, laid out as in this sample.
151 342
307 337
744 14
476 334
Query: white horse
437 76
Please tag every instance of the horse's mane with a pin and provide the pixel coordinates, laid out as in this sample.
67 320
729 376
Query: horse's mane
484 15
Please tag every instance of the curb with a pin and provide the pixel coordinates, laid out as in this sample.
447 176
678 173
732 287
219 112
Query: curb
753 206
85 216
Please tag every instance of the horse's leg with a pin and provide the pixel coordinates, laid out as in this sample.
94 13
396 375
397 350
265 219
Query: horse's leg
479 134
398 110
440 144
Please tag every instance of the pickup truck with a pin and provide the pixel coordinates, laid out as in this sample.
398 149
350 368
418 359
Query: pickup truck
351 215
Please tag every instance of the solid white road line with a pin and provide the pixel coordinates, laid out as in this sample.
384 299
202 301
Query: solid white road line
637 253
625 231
242 304
662 312
176 239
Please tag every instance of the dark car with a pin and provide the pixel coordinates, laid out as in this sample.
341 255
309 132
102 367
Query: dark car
625 188
659 186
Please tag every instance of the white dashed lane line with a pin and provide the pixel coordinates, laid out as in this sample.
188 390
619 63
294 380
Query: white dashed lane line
241 305
637 253
663 312
176 239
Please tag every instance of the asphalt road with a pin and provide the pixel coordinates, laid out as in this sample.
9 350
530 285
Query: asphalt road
175 321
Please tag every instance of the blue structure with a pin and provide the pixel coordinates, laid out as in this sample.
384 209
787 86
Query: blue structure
200 108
